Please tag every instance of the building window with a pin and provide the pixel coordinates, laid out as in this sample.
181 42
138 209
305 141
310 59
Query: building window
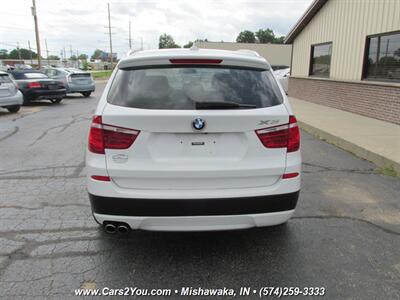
320 62
382 57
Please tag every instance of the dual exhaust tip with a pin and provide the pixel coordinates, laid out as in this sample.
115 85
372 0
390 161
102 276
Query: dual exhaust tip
116 227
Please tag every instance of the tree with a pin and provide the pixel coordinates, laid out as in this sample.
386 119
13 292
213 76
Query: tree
3 53
85 65
53 57
83 57
279 40
265 36
188 45
200 40
97 54
167 41
73 57
23 54
246 37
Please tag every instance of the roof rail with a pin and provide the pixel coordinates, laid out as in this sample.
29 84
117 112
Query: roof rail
249 52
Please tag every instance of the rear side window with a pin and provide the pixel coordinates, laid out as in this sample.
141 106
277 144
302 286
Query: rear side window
4 78
184 87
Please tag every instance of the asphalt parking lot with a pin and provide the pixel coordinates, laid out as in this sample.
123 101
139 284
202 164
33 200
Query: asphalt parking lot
345 235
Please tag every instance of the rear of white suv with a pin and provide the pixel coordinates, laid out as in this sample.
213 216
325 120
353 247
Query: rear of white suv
193 140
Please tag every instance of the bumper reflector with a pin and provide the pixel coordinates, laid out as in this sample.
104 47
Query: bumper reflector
101 178
290 175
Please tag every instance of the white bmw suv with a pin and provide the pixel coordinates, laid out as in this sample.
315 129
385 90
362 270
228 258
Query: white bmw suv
193 140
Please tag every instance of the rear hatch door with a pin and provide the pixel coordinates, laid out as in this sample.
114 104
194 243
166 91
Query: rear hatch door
170 154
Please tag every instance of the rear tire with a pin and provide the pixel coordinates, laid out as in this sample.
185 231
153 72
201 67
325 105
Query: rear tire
86 94
26 101
13 108
56 101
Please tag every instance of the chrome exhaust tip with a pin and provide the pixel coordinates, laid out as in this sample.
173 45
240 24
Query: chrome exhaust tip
110 228
123 229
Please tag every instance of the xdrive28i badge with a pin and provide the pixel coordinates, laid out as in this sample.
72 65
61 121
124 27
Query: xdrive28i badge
198 124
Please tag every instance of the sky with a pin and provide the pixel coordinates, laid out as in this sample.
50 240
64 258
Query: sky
81 25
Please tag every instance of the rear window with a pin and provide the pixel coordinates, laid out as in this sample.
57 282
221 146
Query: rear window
35 75
32 75
184 87
4 78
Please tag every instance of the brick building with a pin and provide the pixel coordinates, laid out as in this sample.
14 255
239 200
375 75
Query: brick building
346 55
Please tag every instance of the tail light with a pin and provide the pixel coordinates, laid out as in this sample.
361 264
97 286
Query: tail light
103 136
34 85
281 136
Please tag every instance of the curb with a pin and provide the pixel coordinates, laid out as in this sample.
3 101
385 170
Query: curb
361 152
101 80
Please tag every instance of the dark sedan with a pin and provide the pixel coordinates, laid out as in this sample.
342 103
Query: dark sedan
35 85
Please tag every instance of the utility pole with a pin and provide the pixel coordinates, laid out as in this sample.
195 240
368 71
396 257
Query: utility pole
65 57
30 51
19 53
109 34
77 58
47 52
70 52
33 8
130 37
141 43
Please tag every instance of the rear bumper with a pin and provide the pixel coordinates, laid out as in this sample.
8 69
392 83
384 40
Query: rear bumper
193 207
17 99
199 223
79 88
33 94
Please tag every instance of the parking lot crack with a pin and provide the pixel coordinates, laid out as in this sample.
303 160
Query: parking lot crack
322 168
63 127
382 228
42 206
15 130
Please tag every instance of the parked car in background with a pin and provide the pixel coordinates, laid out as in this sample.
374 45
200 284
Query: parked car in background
10 97
35 85
283 77
75 80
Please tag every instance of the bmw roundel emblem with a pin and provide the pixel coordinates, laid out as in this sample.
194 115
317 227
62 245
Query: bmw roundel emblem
199 124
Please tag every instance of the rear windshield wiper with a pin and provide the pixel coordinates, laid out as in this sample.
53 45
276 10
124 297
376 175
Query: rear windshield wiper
221 105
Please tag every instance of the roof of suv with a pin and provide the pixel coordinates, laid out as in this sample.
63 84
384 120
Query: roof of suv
245 58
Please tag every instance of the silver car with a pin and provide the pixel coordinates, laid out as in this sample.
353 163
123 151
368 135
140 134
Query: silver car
75 80
10 97
283 78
